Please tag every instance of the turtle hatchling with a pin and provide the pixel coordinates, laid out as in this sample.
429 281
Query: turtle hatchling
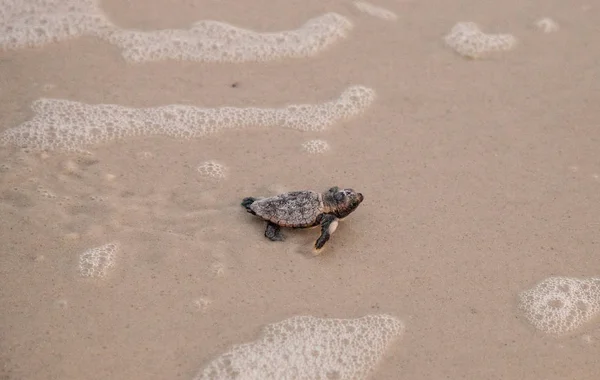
304 209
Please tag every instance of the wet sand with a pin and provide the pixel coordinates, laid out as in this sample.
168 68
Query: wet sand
481 179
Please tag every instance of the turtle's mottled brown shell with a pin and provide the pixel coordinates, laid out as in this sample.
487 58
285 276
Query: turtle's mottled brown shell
294 209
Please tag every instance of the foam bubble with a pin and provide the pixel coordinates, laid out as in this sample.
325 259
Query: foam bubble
213 41
69 125
96 262
467 39
375 11
217 269
144 155
559 305
202 304
212 169
547 25
45 192
31 23
315 146
306 347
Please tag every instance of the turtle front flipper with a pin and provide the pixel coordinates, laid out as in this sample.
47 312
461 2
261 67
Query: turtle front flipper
273 232
329 223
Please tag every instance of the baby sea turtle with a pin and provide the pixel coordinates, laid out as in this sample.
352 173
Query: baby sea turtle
304 209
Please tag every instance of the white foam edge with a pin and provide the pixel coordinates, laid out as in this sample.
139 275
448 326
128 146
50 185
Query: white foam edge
215 41
95 262
60 124
375 11
205 40
281 346
535 303
469 40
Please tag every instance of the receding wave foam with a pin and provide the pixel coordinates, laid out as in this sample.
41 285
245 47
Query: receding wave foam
212 41
315 146
29 23
375 11
96 262
306 347
547 25
467 39
212 169
559 305
69 125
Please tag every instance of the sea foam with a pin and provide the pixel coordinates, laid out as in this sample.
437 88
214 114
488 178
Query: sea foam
306 347
212 41
315 146
547 25
31 23
375 11
559 305
467 39
212 170
96 262
70 125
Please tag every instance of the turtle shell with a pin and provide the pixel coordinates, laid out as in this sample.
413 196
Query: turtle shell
294 209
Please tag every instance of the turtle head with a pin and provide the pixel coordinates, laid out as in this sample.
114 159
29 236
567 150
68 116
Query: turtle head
342 202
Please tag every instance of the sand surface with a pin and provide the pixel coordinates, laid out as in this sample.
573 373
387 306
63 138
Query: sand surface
481 179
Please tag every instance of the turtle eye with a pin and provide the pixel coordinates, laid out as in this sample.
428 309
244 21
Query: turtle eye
339 196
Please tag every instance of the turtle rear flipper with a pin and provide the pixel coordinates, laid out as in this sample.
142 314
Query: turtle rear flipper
246 202
273 232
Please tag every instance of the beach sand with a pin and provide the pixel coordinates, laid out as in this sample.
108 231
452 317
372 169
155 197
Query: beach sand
480 177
